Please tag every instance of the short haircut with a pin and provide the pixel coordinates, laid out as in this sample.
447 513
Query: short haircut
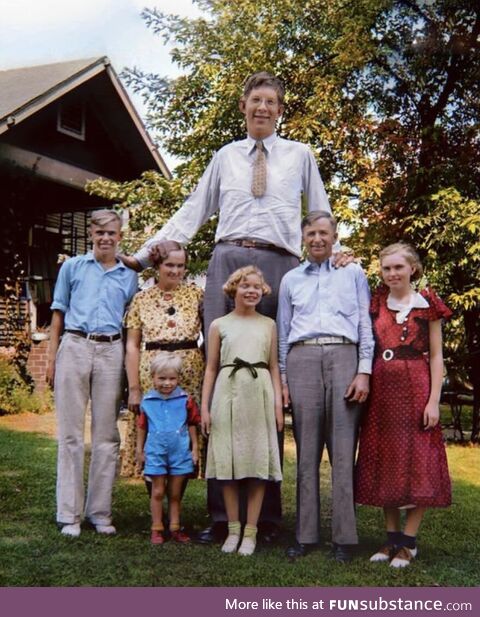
262 79
164 248
316 215
166 360
234 280
408 252
104 217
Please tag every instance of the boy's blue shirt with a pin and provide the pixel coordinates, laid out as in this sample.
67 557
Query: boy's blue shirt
91 298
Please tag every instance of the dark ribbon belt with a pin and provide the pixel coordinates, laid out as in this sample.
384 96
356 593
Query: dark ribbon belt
98 338
402 352
150 346
238 363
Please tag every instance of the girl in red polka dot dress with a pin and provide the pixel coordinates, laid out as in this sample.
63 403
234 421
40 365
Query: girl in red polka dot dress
402 463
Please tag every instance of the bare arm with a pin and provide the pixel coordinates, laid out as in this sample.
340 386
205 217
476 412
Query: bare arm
130 262
431 414
276 381
211 371
140 454
132 366
56 330
192 429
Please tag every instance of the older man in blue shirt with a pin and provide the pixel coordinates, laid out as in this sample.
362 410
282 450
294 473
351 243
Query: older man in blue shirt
89 301
326 350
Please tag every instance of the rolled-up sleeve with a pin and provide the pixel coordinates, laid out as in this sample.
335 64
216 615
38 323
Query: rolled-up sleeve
195 211
61 294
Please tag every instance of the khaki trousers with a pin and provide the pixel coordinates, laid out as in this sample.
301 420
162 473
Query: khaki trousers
87 370
318 377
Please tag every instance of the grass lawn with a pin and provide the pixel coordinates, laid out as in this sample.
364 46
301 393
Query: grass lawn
33 553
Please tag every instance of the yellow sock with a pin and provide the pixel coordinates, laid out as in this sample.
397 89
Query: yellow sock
234 528
250 531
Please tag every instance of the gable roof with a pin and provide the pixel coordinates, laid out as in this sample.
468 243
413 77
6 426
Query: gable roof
25 91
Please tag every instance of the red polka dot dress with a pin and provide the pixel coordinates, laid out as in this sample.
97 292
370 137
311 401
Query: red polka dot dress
399 463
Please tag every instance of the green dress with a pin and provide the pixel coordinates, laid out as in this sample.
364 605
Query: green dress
243 434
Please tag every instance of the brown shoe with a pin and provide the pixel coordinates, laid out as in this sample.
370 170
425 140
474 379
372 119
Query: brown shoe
157 537
180 537
384 553
403 557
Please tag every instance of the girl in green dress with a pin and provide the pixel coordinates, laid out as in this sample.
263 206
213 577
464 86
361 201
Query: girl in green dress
242 404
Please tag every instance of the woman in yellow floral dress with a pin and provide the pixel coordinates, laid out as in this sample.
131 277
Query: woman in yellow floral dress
166 317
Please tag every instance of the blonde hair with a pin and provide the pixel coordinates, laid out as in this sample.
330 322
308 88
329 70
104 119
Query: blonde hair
408 252
234 280
165 360
104 217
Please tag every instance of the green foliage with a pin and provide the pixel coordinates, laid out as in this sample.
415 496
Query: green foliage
386 94
16 396
449 235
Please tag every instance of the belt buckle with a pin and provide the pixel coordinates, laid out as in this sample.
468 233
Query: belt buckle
249 244
387 355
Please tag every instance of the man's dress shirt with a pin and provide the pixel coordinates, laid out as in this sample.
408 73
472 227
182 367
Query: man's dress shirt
320 300
226 187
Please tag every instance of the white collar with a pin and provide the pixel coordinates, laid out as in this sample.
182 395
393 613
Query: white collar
267 142
416 301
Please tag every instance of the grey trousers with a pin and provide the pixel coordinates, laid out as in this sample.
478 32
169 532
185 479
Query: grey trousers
87 370
318 377
225 260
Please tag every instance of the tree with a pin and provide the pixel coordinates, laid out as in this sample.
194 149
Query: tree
384 91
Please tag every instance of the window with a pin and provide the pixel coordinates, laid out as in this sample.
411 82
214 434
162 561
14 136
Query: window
71 119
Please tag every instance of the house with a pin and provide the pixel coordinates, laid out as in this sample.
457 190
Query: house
60 125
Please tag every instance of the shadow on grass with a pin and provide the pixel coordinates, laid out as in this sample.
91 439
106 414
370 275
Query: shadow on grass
35 554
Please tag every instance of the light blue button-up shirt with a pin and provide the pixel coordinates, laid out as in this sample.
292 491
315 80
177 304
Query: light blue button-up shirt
93 299
320 300
226 187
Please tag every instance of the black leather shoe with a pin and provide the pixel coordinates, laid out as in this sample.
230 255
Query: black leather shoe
297 550
342 553
268 532
217 532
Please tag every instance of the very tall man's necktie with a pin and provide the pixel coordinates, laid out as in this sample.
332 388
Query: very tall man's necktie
259 179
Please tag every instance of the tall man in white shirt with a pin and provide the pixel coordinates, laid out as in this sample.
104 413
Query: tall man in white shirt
326 351
259 222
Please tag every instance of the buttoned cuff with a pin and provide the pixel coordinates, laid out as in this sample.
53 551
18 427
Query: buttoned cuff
365 366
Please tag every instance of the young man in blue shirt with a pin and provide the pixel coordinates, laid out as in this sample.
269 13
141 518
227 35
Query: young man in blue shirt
91 294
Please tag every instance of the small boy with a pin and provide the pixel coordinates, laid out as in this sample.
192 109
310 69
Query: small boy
91 294
166 427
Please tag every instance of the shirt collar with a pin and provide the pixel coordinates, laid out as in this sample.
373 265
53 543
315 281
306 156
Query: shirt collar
91 257
267 143
416 301
313 265
153 394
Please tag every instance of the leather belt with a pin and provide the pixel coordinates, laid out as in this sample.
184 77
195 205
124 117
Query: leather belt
326 340
254 244
98 338
151 345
